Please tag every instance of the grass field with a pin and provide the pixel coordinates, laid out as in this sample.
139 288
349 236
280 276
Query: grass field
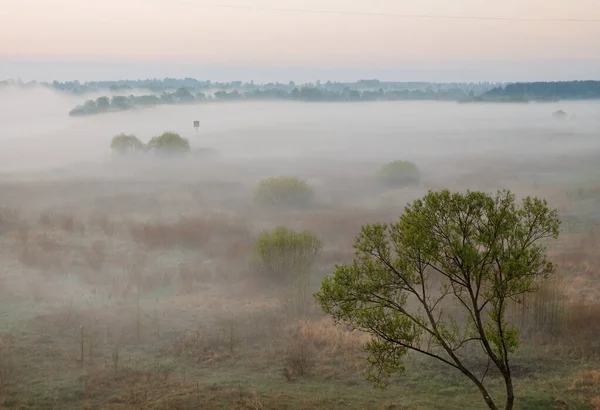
135 288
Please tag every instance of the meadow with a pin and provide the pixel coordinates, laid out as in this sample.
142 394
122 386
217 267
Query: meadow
133 284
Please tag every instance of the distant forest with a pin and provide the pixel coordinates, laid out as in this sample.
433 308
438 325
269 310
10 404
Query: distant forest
190 91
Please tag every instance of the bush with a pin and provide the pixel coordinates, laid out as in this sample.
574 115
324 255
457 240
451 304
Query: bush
284 191
300 360
399 174
288 256
169 143
124 144
560 114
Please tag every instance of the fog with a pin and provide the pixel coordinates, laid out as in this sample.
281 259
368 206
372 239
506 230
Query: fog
135 280
37 131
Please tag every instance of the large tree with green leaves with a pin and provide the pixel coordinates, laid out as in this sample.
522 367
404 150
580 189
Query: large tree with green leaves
440 279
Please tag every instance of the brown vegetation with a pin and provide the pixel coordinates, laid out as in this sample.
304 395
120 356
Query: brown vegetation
145 305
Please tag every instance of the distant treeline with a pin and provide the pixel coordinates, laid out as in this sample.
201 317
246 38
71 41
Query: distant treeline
189 90
307 94
158 86
519 92
543 91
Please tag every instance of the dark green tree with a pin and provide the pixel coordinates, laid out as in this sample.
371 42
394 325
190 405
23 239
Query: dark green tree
182 95
284 192
120 102
169 143
103 103
124 144
441 278
399 174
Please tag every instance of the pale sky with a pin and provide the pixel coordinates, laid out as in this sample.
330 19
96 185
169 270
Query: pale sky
199 32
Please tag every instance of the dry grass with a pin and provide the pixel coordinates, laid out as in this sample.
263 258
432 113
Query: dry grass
587 379
587 382
103 222
65 222
95 256
40 249
190 232
550 317
300 354
11 220
173 316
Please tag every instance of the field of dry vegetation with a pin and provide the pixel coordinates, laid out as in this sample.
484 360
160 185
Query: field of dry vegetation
136 288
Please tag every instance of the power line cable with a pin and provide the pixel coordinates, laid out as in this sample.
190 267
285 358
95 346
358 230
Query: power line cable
398 15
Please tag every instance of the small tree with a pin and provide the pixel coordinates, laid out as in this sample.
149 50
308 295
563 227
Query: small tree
169 143
560 114
288 257
103 103
399 174
124 144
284 191
480 251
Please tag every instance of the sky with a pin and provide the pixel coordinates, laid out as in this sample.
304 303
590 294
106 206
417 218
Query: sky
242 39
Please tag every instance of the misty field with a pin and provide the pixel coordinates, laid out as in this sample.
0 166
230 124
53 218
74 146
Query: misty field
134 283
37 130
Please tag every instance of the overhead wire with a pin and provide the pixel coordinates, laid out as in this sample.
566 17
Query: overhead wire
397 15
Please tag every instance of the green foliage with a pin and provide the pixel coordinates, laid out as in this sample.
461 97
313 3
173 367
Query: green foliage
287 256
284 191
286 253
124 144
399 174
169 143
440 278
103 103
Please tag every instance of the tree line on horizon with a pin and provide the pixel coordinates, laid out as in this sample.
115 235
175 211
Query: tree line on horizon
194 85
306 94
518 92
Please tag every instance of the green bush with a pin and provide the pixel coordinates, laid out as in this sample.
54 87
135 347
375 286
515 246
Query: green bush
124 144
284 191
287 256
399 174
169 143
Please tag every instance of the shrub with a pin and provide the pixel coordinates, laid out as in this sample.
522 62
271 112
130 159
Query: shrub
288 256
124 144
560 114
169 143
284 191
300 360
399 174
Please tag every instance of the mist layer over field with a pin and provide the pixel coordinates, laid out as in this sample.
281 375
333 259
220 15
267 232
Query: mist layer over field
36 130
135 282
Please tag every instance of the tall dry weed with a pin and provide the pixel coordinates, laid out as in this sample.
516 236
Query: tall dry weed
191 232
549 316
61 221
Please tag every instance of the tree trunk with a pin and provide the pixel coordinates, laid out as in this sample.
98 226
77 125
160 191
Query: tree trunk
486 396
510 393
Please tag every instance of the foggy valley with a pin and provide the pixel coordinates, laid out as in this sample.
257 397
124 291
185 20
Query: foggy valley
141 281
